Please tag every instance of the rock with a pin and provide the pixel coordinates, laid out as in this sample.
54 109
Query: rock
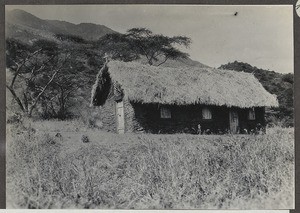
85 139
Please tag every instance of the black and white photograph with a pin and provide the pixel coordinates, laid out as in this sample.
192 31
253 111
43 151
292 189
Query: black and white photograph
115 106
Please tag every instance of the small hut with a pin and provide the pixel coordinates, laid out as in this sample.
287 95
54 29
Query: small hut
133 97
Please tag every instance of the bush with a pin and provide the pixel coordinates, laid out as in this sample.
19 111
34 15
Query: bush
71 38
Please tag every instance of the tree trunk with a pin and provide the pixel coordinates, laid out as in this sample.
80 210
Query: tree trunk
25 102
12 91
62 112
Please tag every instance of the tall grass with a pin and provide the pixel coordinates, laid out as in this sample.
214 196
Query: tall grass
143 171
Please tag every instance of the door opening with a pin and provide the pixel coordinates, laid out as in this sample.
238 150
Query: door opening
120 117
234 121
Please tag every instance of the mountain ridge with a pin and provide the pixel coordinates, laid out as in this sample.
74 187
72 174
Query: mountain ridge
19 19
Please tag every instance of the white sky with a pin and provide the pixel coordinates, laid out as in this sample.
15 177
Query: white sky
259 35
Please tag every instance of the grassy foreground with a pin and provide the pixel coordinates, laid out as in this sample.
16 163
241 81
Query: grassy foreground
143 171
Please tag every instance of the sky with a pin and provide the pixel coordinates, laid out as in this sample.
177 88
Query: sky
259 35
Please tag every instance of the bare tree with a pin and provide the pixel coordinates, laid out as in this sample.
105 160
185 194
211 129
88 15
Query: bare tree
33 69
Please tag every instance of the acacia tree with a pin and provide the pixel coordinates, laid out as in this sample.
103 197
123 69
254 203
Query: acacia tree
32 69
138 42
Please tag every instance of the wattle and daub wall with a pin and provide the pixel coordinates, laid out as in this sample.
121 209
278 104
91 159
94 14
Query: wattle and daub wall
188 118
184 119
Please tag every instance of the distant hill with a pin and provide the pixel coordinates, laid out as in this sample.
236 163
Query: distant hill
275 83
23 25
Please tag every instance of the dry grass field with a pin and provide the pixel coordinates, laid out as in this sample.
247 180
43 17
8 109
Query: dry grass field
53 164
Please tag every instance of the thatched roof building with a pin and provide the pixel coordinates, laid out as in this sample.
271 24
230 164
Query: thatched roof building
185 86
189 85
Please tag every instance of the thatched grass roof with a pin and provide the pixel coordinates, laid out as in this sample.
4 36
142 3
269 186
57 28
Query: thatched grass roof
189 85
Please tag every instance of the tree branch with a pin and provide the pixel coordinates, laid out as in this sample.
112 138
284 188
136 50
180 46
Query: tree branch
42 92
166 58
46 86
20 66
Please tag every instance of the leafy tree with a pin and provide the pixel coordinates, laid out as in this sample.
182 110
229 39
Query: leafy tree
117 46
142 42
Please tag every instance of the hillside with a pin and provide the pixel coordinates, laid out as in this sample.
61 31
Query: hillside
23 25
275 83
